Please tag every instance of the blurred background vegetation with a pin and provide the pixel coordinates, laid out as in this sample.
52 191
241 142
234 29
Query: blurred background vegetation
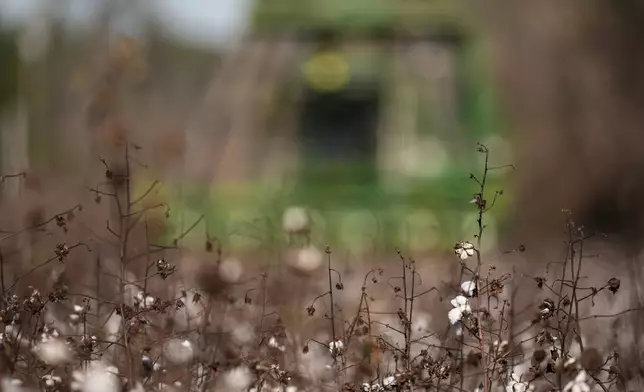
366 112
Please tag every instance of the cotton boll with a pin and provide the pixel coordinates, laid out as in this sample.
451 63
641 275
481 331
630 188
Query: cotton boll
230 270
295 220
521 368
53 352
10 384
307 260
52 381
99 377
243 333
12 332
237 379
113 326
469 288
178 351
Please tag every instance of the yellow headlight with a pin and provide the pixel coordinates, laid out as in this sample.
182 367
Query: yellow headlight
327 71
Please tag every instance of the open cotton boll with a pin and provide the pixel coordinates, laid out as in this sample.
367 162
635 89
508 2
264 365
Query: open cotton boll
237 379
307 260
98 377
14 333
53 352
469 288
178 351
113 326
10 384
230 270
295 219
242 333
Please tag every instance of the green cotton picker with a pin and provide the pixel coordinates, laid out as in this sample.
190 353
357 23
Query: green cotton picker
366 113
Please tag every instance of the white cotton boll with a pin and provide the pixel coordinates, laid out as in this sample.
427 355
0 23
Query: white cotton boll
468 288
243 333
14 333
272 342
295 219
143 300
389 381
291 388
53 352
336 347
230 270
238 379
461 306
51 381
308 259
521 368
178 351
10 384
113 326
99 377
517 384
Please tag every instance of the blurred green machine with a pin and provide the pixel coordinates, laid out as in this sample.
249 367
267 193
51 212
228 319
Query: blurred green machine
382 103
